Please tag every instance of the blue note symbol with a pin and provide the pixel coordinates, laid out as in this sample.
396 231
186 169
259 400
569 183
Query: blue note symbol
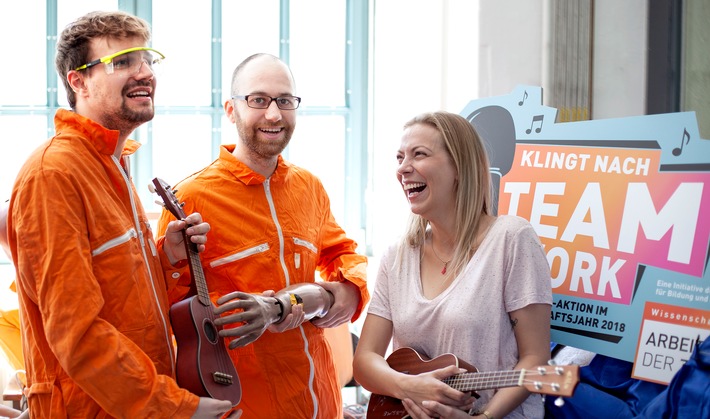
525 96
536 118
683 141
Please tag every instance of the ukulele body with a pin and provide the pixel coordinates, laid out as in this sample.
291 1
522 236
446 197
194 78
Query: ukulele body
203 364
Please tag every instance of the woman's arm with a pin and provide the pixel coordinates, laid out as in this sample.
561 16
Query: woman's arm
373 372
531 325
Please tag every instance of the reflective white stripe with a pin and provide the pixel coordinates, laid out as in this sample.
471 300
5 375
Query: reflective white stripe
311 374
274 217
240 255
308 245
124 238
136 222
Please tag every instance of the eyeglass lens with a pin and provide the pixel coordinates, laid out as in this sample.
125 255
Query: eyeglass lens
130 62
263 102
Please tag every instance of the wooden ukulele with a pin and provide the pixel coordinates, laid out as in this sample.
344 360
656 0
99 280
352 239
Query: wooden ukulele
553 380
203 363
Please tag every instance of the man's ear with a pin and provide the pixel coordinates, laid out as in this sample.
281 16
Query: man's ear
76 81
229 110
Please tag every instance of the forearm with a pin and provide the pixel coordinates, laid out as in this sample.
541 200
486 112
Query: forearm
314 299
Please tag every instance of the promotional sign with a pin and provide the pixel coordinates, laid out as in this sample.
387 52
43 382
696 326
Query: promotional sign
621 207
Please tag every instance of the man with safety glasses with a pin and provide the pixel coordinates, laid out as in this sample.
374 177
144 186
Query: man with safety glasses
90 278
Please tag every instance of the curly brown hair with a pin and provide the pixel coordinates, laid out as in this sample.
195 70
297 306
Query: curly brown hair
73 42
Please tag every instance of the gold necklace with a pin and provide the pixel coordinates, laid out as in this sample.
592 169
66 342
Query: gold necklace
443 271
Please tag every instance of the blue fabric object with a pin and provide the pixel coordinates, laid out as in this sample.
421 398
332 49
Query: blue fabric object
692 381
606 390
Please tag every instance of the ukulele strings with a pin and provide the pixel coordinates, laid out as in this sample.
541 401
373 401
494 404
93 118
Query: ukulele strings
497 379
203 293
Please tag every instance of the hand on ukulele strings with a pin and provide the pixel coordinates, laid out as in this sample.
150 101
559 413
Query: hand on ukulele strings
256 313
174 246
433 410
429 386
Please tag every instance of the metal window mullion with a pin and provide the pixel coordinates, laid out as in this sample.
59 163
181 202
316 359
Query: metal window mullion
216 77
356 143
52 78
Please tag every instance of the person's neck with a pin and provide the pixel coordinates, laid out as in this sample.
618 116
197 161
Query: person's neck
119 146
261 165
443 236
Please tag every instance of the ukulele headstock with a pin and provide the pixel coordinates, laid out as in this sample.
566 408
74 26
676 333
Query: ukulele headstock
170 201
555 380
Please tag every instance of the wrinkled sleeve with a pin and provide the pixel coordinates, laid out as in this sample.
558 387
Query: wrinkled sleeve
55 262
339 261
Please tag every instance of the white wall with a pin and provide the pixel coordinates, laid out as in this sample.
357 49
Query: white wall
619 67
424 58
440 54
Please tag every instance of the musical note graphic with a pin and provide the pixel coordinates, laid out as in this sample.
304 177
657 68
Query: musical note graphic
684 140
525 96
535 119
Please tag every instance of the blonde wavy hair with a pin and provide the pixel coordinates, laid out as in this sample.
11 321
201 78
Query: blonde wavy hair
473 189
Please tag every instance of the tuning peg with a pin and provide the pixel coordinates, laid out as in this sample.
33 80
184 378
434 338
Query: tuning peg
151 188
159 202
559 402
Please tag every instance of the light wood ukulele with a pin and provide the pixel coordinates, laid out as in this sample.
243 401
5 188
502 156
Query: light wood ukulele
551 380
203 363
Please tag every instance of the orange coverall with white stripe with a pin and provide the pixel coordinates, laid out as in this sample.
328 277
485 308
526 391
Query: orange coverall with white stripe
268 234
93 301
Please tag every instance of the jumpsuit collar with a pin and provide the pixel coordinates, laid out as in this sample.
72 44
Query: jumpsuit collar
245 174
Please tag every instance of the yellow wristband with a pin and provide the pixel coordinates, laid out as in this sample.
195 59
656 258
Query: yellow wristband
487 415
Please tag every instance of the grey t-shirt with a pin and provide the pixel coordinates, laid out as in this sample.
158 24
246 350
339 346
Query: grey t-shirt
470 318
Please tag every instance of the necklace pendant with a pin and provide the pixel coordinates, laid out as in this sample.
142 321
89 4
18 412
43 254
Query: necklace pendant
443 271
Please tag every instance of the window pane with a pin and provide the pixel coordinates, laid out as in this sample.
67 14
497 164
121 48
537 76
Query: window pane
21 134
318 145
248 27
181 146
318 51
22 75
186 74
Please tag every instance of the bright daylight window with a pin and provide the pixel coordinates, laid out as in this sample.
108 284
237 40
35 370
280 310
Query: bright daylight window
201 53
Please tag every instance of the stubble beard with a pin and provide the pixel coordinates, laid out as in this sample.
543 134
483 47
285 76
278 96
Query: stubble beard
263 149
127 119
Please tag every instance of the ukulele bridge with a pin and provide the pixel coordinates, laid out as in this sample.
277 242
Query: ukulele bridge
222 378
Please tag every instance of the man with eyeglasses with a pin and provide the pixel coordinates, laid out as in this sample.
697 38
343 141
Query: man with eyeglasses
91 280
274 231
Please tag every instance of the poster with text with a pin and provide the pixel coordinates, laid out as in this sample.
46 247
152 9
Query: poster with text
622 208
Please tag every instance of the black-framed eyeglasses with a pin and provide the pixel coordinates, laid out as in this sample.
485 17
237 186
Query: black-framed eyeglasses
285 103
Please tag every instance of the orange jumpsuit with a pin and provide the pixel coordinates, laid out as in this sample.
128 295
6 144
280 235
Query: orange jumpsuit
93 301
268 234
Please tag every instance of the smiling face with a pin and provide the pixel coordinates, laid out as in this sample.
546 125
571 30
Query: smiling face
426 172
117 101
263 133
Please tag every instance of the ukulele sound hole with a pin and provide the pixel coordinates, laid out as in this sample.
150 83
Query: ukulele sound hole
210 331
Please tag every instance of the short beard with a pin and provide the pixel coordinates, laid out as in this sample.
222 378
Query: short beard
262 149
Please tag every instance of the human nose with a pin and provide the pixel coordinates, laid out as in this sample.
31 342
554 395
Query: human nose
272 111
139 71
404 167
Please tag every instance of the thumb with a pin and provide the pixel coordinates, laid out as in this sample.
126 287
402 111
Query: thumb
447 372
